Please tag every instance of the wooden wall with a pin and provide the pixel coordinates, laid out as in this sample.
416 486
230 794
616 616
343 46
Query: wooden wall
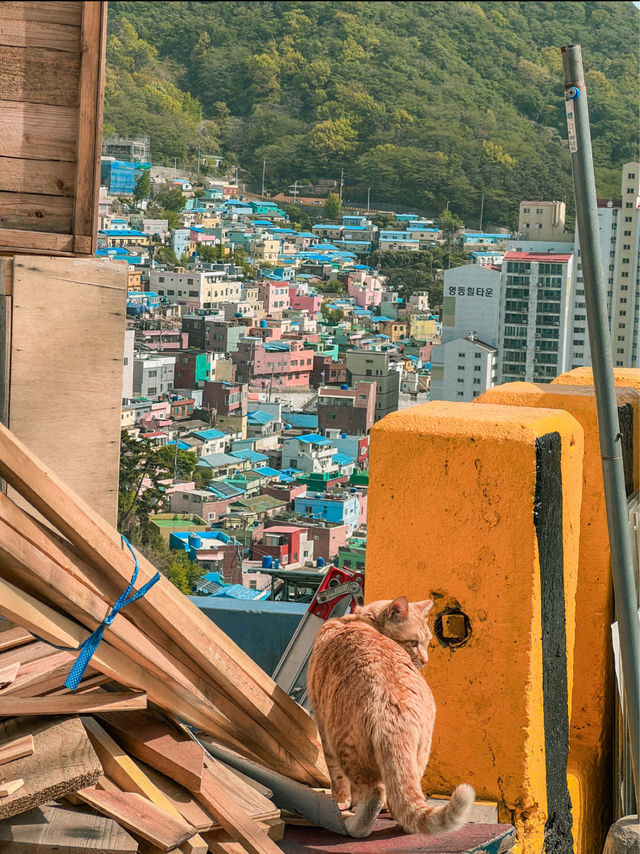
51 82
63 368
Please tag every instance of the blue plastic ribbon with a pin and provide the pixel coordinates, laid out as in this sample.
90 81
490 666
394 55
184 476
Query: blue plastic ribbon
90 644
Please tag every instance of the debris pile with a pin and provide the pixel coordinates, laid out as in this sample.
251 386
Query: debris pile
98 681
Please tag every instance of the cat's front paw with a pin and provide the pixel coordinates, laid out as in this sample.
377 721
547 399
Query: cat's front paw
344 804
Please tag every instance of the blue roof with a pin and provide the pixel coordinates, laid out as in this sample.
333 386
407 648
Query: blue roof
215 460
301 419
327 225
361 267
248 454
267 471
259 416
122 232
236 591
314 438
382 319
292 472
213 577
182 446
325 246
223 489
208 434
342 459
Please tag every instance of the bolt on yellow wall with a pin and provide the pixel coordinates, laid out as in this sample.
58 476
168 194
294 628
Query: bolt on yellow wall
590 758
451 517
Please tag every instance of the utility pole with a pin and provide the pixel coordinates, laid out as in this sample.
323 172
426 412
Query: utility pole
481 212
595 294
264 166
295 190
341 182
369 198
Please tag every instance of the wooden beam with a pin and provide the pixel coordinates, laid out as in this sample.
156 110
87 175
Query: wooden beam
14 240
181 799
35 34
72 704
138 815
59 12
8 674
233 818
16 749
35 212
51 131
197 637
159 745
39 75
93 35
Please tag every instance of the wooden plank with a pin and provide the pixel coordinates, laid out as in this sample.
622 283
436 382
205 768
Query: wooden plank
233 818
52 12
34 34
8 674
55 305
41 675
16 749
25 654
182 799
39 76
38 131
32 212
55 829
35 242
49 177
198 639
94 29
164 748
138 815
6 291
63 761
72 704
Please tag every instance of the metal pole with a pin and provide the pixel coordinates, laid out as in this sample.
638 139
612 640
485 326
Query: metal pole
608 426
264 166
481 212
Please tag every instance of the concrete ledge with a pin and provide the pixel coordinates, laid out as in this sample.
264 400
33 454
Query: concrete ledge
624 836
477 507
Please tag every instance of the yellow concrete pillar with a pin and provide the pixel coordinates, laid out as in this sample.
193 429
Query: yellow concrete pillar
477 508
629 377
591 733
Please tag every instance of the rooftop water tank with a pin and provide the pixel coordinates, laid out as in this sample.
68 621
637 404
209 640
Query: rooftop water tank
276 564
267 562
343 435
263 324
320 562
195 541
344 386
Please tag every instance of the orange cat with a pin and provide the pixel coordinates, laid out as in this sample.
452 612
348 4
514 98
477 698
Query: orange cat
375 715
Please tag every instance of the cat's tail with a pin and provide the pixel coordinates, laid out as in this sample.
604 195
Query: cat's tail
409 809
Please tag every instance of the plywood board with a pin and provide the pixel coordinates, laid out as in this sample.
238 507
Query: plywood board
66 370
21 33
39 75
63 761
57 829
69 13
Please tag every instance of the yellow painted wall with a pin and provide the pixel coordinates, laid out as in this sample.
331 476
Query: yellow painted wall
422 327
593 682
451 503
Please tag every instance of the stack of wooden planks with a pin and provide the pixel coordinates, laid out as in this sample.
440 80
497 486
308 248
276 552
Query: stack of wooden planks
160 662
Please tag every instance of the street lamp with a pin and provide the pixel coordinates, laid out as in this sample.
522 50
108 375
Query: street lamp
448 203
368 197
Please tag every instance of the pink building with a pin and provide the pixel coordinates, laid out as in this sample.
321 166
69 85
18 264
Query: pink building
279 365
163 339
364 296
274 297
311 303
201 502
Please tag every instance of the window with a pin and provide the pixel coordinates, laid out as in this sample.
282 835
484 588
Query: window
627 219
476 355
630 190
153 374
477 367
126 360
620 350
476 381
170 293
153 390
193 293
161 278
460 379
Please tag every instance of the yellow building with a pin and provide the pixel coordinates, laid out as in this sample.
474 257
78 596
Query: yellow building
421 327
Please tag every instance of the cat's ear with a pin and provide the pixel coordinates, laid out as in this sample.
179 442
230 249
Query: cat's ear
398 610
425 606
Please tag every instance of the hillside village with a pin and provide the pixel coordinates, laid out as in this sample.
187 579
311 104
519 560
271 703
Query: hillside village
268 365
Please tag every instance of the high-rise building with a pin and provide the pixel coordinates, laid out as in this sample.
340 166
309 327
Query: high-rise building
535 331
619 225
464 364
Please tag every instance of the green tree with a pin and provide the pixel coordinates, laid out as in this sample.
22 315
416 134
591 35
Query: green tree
143 185
165 255
332 315
333 207
170 200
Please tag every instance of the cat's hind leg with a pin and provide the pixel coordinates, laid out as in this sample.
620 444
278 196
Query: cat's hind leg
370 801
340 785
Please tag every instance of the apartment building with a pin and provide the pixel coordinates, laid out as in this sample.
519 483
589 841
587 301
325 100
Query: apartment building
542 220
153 375
311 453
349 410
535 329
470 322
274 364
619 226
196 289
375 367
